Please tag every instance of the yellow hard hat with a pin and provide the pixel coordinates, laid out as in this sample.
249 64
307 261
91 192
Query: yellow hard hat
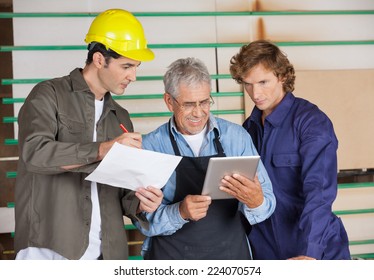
121 32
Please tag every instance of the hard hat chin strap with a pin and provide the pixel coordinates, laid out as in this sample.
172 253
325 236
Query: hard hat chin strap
91 46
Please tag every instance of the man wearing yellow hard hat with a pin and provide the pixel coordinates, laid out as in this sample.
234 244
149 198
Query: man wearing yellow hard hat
66 126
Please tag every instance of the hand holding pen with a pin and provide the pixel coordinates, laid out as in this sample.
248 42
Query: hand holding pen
131 139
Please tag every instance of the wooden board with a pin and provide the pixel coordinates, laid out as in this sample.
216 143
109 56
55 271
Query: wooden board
347 97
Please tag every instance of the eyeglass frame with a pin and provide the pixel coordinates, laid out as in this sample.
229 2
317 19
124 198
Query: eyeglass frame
209 104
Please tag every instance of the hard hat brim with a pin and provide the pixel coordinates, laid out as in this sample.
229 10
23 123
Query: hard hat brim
139 55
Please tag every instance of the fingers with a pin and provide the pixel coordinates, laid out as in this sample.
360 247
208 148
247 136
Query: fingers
194 207
133 139
150 198
129 139
302 258
245 190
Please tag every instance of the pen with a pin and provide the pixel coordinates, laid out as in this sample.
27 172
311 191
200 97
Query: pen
123 128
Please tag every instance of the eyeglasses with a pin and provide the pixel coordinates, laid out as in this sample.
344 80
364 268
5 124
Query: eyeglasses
190 106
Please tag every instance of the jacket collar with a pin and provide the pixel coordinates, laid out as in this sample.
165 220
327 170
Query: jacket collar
277 117
79 85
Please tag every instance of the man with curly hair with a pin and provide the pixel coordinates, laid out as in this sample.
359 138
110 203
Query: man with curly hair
297 144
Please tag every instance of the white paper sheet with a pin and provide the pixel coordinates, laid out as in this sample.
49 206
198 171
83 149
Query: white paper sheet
7 223
131 168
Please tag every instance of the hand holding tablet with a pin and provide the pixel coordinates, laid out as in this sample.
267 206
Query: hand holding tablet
221 166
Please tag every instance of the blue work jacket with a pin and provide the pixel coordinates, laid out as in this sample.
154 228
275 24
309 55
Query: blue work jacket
297 144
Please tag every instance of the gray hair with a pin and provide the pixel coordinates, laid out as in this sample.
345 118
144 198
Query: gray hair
189 71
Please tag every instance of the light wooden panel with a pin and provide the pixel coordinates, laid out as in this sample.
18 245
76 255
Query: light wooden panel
276 5
347 97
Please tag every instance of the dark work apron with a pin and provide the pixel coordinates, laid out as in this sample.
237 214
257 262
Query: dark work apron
219 235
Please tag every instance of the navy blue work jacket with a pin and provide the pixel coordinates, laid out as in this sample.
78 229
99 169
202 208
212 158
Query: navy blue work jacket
298 146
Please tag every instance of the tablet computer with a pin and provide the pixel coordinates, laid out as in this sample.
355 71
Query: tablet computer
221 166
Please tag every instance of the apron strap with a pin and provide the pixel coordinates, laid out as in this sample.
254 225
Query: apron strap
173 142
217 143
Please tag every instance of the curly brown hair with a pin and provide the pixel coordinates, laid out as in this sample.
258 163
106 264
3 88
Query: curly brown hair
270 56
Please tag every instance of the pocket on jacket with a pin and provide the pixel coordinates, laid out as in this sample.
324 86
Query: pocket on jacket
70 130
286 160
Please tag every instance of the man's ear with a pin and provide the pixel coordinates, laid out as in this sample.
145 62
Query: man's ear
169 101
99 60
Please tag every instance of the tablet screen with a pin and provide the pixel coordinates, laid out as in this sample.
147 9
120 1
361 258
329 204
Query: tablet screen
221 166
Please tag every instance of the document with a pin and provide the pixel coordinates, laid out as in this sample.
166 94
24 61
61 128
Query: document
7 220
131 168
